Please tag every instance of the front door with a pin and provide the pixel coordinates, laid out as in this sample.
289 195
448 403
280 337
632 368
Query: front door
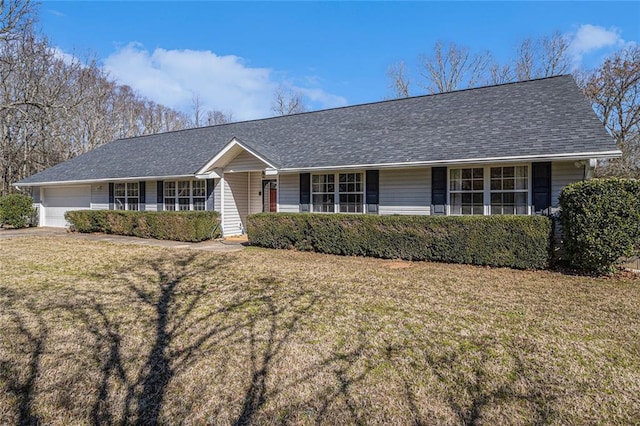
270 196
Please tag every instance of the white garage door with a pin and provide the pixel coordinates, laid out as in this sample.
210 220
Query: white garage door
58 200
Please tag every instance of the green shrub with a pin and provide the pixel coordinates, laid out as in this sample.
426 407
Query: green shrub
16 210
178 226
515 241
600 222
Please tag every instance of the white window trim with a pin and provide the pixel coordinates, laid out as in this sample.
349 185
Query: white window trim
487 185
336 191
177 198
127 204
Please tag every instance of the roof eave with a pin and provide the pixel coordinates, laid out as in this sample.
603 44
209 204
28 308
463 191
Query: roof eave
461 161
90 181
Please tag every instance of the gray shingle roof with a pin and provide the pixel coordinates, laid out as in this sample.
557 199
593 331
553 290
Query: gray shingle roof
547 116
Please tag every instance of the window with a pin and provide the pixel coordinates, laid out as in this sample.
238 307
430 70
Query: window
510 190
126 195
185 195
349 192
323 190
170 196
504 188
466 189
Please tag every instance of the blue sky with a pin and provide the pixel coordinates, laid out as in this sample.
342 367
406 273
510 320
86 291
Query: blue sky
234 55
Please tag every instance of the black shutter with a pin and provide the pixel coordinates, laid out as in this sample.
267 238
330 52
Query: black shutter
541 178
438 190
111 191
160 195
373 189
305 191
210 185
142 187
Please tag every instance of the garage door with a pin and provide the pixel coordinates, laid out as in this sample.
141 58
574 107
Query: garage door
58 200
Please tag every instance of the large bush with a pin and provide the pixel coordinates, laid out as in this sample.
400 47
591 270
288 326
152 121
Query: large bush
16 210
601 222
514 241
192 226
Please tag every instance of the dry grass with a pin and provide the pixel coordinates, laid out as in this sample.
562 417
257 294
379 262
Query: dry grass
101 333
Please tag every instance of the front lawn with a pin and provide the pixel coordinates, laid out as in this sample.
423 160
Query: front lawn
102 333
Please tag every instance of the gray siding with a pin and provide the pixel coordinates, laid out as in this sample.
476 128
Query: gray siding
151 196
245 162
562 174
235 203
405 191
100 196
289 193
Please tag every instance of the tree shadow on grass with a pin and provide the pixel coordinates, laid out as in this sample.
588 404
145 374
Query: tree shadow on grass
19 377
470 393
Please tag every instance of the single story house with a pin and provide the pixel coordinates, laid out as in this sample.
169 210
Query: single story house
503 149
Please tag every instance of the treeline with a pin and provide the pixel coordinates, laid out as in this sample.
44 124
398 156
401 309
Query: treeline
54 106
613 88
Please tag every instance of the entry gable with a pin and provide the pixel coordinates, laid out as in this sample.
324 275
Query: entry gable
236 156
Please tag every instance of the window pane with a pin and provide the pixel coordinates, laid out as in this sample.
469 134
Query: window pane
169 189
132 189
522 171
118 189
351 203
496 184
478 173
323 203
183 189
119 203
183 204
170 204
198 203
496 172
522 183
132 204
508 172
199 188
507 184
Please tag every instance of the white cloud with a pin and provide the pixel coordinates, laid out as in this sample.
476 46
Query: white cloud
224 83
592 38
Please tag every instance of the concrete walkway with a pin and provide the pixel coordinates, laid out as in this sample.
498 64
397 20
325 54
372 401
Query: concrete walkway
212 245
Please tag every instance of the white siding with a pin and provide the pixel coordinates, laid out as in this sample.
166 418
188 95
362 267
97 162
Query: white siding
235 203
562 174
100 196
405 191
217 196
289 193
151 196
244 162
255 192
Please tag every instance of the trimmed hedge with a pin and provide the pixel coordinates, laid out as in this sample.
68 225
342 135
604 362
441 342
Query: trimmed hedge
191 226
515 241
16 210
600 222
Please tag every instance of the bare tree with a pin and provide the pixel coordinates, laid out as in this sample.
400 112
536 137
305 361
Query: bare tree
197 111
52 109
15 17
287 102
453 67
399 80
543 57
218 117
614 90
